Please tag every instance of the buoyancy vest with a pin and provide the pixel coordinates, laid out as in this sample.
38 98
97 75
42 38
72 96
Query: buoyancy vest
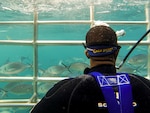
116 104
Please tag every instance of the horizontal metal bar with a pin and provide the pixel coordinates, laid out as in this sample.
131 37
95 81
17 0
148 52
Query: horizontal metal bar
61 42
17 101
72 22
31 78
17 104
126 22
80 42
42 42
133 42
20 42
65 22
16 78
14 101
5 79
89 22
16 22
50 78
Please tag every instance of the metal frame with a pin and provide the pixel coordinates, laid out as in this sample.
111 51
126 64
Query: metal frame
35 43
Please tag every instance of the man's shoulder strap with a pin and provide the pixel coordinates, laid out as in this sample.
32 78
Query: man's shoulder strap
121 104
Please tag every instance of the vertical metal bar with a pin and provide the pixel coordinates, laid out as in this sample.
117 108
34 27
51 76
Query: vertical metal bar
35 54
92 14
147 13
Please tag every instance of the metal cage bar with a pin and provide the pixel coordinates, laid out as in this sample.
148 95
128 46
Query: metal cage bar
147 13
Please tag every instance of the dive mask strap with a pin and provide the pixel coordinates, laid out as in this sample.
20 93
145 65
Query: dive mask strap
95 51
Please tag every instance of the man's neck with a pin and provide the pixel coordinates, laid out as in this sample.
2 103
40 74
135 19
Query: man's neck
94 63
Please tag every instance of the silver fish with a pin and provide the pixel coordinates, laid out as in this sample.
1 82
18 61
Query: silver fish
19 88
126 69
6 112
3 93
78 67
13 68
10 85
22 89
138 60
44 87
54 70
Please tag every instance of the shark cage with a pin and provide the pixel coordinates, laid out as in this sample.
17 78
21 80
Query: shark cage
41 43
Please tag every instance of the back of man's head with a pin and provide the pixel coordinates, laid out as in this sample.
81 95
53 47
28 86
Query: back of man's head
101 35
101 41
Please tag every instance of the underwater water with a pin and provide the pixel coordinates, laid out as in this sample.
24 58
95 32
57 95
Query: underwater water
53 60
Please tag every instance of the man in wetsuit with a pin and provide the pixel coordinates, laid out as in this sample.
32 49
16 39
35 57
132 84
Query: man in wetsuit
100 89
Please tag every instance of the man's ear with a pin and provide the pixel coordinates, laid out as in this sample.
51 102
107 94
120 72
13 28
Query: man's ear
87 54
116 53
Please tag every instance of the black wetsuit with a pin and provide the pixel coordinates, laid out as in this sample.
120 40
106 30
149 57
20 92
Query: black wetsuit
83 94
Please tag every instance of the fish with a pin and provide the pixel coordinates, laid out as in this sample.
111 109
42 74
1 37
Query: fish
22 89
103 12
13 68
5 111
3 93
119 60
138 60
10 85
22 110
7 8
126 69
54 70
78 66
44 87
19 88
